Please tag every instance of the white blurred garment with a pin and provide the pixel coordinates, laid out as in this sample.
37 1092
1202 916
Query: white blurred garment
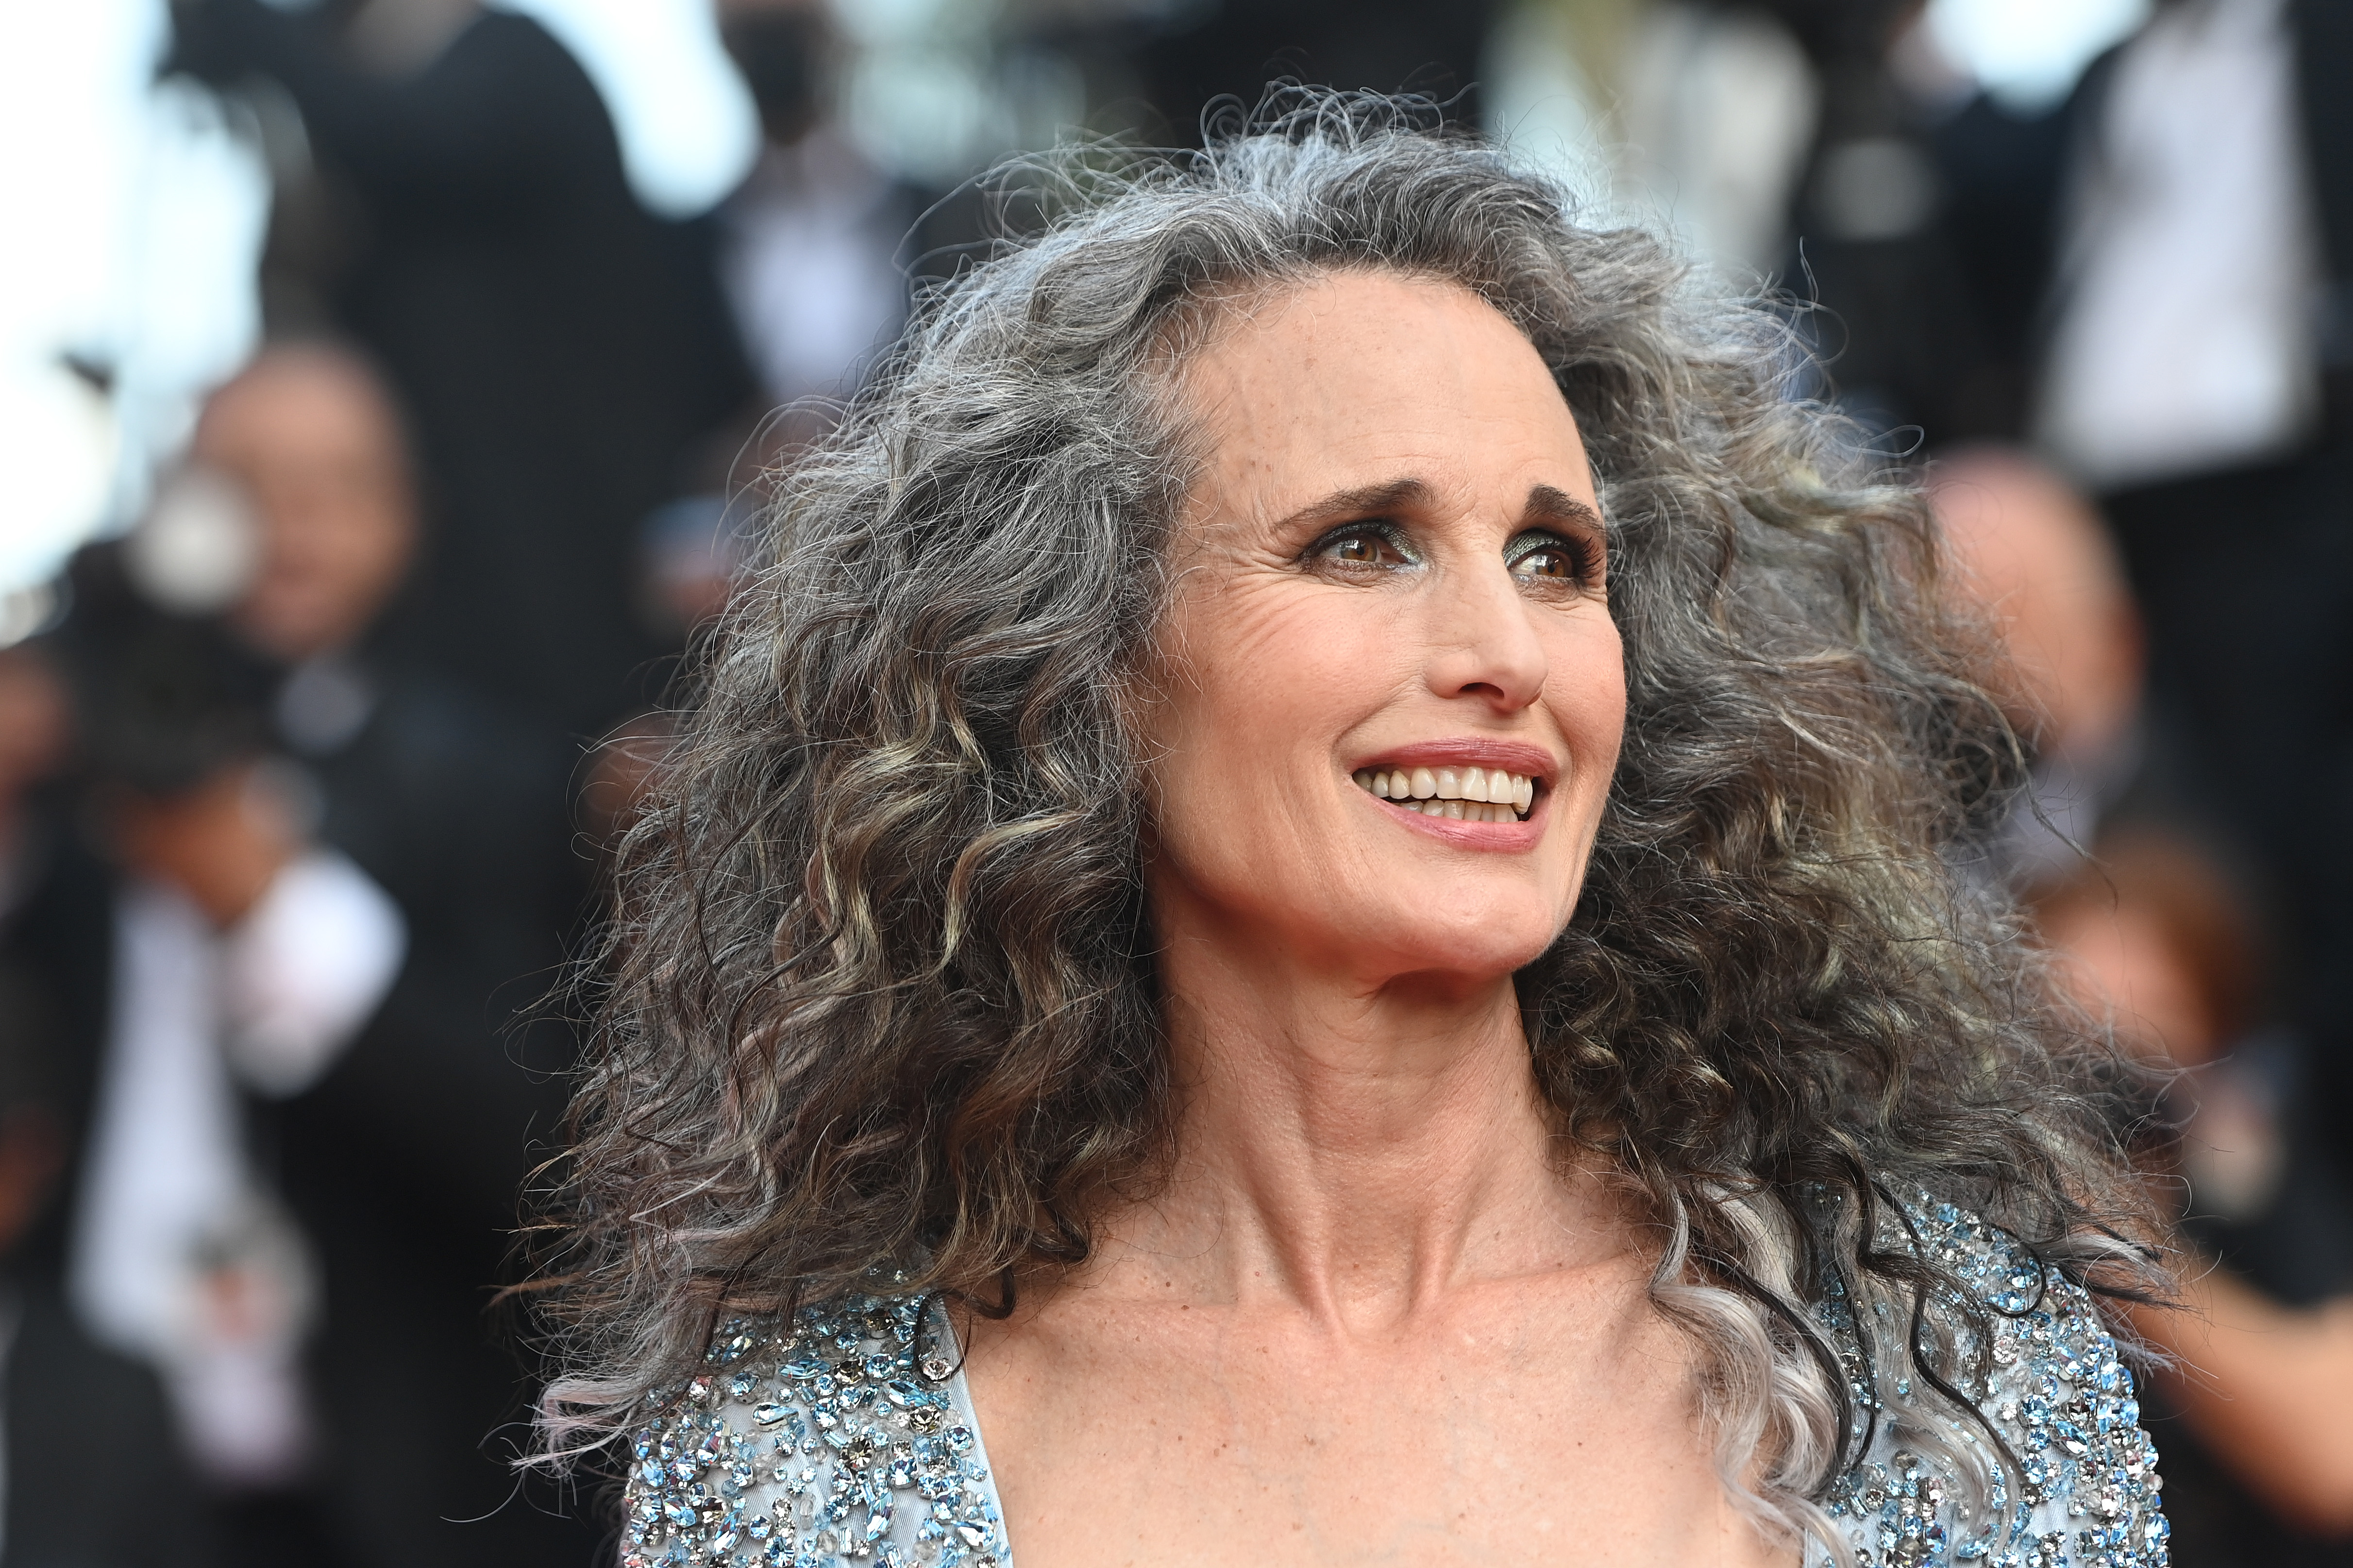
2186 341
1695 117
180 1254
1720 107
810 266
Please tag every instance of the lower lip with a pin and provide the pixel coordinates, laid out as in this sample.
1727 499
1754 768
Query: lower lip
1503 837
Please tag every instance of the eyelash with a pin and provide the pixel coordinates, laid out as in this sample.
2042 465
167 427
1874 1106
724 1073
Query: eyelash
1388 533
1583 553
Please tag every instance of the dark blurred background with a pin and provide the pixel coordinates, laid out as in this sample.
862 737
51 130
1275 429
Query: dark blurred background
383 387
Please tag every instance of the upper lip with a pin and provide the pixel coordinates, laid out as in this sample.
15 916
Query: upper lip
1510 756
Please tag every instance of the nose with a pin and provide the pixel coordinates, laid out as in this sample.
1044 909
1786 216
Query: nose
1481 644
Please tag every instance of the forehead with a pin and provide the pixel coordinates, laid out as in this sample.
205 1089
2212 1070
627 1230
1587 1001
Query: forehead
1368 377
297 404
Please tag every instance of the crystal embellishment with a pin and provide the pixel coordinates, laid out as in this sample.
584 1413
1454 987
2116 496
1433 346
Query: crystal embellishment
829 1444
2086 1490
844 1441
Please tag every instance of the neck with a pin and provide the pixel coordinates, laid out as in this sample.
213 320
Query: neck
1357 1147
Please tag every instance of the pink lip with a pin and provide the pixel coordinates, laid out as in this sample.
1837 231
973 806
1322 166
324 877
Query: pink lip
1510 756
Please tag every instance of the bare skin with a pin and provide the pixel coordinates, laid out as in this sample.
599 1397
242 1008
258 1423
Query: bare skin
1372 1317
222 843
2266 1387
309 436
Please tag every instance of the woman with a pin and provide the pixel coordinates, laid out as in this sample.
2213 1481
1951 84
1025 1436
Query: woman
1309 888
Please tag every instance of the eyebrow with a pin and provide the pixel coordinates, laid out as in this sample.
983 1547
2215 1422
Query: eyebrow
1545 504
1366 500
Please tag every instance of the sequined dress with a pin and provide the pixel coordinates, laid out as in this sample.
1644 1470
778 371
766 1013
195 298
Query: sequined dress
849 1440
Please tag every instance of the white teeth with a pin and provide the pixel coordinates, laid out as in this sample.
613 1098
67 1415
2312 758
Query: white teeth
1459 794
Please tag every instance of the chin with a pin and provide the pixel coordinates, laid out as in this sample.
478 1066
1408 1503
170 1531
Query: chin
1469 951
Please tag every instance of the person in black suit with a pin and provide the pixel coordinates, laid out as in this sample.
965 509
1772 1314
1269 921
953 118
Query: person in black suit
78 1422
69 1408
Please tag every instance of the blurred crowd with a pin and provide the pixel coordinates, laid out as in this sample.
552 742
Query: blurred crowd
303 790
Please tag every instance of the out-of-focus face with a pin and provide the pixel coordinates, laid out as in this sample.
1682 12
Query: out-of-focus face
312 442
2035 556
1391 694
2120 966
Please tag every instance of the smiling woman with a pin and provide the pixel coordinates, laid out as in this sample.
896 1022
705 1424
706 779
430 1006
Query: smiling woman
1310 884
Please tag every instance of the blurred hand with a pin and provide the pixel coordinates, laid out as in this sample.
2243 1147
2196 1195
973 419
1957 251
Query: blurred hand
221 843
2268 1389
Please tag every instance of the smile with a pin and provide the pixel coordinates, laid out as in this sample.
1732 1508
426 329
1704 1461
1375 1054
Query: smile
1460 795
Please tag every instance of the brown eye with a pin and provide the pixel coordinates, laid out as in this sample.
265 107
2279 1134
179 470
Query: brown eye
1361 545
1547 558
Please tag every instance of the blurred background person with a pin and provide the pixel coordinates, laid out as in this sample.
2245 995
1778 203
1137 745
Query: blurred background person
2138 891
2153 937
239 955
2034 558
2196 379
811 239
63 1397
405 1163
563 353
334 1105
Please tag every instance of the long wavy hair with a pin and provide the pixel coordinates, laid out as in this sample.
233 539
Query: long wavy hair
879 988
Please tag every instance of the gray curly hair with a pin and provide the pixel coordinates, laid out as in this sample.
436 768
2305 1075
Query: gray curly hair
879 991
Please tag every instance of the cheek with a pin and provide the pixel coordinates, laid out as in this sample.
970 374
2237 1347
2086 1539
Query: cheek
1270 676
1260 686
1585 692
1585 681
